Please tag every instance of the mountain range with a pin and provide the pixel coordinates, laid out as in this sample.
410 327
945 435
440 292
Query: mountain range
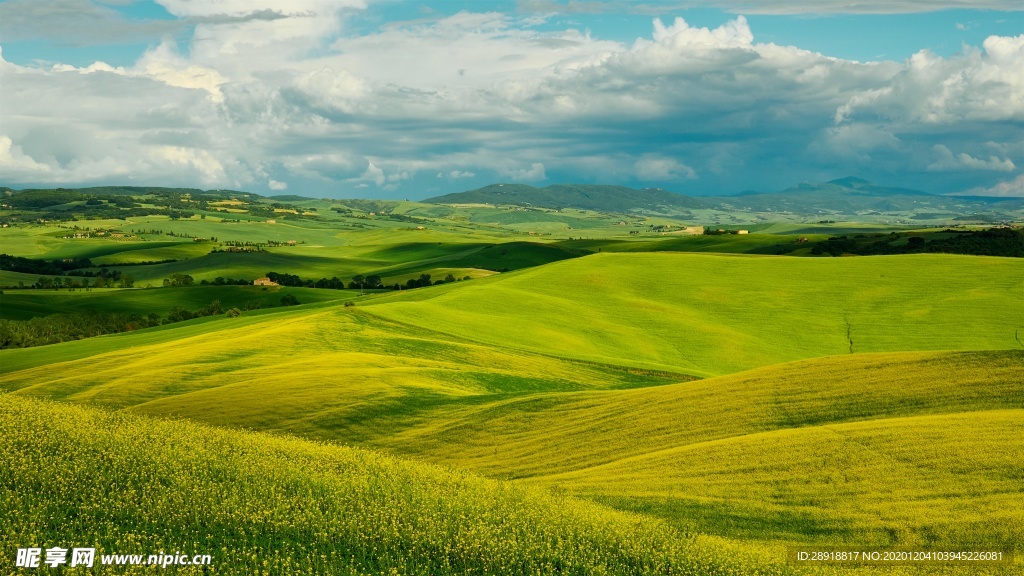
844 196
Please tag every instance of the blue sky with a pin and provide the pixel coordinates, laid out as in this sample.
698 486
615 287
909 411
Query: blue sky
402 99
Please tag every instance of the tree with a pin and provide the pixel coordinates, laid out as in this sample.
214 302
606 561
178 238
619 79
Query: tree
358 281
289 300
127 281
179 280
178 314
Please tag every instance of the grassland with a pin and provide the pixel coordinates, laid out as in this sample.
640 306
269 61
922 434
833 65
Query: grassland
758 401
356 377
923 481
627 438
24 304
714 314
265 505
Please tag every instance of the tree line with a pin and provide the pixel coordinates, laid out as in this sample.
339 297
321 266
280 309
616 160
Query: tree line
1008 242
358 282
65 327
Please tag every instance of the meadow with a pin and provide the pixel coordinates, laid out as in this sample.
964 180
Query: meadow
269 505
589 401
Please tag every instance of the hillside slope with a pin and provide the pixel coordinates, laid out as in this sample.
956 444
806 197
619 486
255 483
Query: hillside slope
329 371
716 314
551 433
260 504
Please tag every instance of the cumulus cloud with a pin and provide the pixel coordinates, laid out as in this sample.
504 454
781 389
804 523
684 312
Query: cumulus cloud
1009 188
275 185
660 169
984 85
946 160
165 64
534 173
16 164
456 175
373 174
655 7
265 88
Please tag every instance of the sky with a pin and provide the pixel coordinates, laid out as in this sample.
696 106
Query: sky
413 99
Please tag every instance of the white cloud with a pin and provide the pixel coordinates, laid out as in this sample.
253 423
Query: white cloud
844 6
267 88
1008 188
373 174
532 174
856 141
946 160
978 85
661 169
656 7
275 185
165 64
14 163
456 175
203 163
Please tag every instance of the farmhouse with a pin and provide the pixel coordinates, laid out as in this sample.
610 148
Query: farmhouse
264 282
271 221
743 231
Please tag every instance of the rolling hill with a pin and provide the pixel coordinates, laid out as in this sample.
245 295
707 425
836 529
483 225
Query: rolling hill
262 504
576 378
714 314
584 196
845 197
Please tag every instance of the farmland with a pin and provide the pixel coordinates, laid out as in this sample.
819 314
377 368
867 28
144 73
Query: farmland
632 399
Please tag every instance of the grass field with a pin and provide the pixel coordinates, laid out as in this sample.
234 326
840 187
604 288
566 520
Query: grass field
714 314
269 505
925 481
24 304
643 408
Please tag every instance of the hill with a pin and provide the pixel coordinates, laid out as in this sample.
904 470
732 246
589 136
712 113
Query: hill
845 198
583 196
568 426
732 455
715 314
260 504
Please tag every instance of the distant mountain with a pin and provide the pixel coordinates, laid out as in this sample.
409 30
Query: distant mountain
858 196
137 191
842 197
584 196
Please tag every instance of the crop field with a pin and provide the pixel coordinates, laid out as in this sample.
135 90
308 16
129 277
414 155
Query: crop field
589 401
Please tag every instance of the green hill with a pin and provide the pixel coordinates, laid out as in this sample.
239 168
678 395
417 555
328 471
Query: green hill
584 196
715 314
260 504
896 482
330 371
533 435
25 304
577 377
848 197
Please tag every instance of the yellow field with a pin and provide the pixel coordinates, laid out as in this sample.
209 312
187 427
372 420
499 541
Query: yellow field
575 388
